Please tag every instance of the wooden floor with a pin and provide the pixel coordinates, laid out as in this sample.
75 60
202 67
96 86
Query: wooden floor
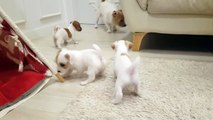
50 102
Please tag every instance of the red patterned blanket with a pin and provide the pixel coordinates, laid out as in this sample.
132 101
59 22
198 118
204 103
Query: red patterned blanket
20 69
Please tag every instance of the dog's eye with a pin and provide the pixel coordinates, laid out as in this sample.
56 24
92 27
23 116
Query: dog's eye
62 64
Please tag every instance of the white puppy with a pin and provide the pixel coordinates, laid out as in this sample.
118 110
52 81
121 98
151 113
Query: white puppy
65 35
110 15
124 69
90 61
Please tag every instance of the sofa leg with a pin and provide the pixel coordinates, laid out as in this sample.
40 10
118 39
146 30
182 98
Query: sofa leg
137 39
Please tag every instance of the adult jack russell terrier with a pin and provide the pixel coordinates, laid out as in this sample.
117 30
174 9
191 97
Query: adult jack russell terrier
124 69
65 35
110 15
90 61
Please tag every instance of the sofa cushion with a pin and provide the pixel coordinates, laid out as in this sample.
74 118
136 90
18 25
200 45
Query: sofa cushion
180 7
142 4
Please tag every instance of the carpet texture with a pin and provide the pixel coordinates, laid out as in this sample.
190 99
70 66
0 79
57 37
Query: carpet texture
170 89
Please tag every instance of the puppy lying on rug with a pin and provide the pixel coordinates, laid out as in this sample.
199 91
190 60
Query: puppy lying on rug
90 61
124 69
65 35
110 15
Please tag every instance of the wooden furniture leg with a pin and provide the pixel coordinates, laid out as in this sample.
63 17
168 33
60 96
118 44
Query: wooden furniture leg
137 39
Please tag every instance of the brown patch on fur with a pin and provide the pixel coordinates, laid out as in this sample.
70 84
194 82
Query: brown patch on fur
66 65
128 44
56 58
118 18
77 25
68 32
67 56
113 46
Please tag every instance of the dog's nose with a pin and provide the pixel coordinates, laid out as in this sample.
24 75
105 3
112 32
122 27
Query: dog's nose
124 25
59 71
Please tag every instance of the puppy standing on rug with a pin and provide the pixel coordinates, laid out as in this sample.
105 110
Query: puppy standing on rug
124 69
110 15
90 61
65 35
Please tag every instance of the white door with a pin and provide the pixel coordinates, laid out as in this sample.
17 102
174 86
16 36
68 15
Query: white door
85 11
36 17
15 9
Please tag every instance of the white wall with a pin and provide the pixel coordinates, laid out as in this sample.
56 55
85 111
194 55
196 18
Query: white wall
36 18
86 10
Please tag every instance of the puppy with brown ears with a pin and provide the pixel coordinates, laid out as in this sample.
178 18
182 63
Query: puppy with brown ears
110 15
90 61
125 70
65 35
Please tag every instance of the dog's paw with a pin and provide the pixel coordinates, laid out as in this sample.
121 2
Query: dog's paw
65 42
58 47
116 101
114 29
83 83
136 94
109 31
96 26
75 42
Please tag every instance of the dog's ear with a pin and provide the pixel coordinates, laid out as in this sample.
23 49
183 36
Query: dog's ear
114 13
77 25
129 45
120 10
67 56
113 46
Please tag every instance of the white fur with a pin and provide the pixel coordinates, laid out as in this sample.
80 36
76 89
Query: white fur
60 35
90 61
125 70
105 11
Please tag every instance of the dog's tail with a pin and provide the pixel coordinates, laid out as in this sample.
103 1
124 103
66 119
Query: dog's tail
99 51
97 48
56 28
135 63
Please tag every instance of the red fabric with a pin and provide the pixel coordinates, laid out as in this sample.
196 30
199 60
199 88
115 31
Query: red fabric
13 84
6 63
6 26
28 57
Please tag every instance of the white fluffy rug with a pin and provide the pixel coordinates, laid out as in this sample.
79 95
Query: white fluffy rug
171 89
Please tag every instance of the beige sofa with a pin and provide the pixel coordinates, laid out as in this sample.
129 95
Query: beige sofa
167 16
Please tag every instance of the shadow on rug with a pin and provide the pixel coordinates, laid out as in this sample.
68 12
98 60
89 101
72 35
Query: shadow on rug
170 89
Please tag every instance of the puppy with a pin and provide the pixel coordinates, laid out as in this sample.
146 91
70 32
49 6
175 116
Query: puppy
90 61
124 69
65 35
110 15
